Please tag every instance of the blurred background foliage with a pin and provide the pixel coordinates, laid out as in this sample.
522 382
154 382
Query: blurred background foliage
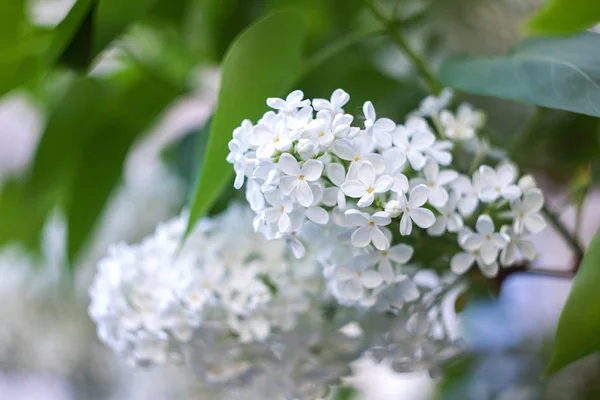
104 72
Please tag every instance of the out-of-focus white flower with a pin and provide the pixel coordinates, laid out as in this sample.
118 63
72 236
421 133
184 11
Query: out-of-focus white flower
498 183
464 125
368 228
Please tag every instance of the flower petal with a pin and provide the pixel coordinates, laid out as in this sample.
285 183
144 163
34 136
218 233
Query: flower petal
484 225
344 150
362 236
312 170
511 192
438 196
400 253
461 262
533 201
472 241
336 173
284 224
371 279
423 217
381 218
534 223
383 184
379 240
354 189
386 270
304 193
287 184
418 196
357 218
366 200
318 215
366 174
488 252
289 165
369 110
405 225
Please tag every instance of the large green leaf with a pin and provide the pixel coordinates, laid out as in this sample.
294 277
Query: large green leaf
566 16
101 159
562 73
265 60
578 333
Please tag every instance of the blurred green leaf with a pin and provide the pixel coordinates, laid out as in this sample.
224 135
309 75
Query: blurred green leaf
71 38
100 165
561 73
565 16
20 46
578 332
265 60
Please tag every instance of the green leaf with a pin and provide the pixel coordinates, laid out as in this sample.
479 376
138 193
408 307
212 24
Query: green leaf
114 16
565 16
561 73
71 39
578 332
265 60
101 159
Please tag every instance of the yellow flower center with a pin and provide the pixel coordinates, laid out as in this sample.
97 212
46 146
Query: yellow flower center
370 190
357 159
276 140
322 134
371 223
384 253
301 177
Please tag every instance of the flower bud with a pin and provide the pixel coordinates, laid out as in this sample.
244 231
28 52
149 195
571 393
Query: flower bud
393 208
526 183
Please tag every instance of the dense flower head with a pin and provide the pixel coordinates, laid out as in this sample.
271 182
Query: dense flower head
383 186
149 299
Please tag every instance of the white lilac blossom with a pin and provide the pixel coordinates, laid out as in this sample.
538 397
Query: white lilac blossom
373 181
150 299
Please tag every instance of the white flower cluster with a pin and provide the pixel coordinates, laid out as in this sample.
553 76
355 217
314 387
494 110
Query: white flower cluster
150 298
306 162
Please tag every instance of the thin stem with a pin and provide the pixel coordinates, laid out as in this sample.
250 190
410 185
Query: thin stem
564 232
337 47
550 273
399 39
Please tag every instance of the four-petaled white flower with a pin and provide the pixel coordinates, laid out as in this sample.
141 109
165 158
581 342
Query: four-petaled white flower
498 183
354 279
292 102
414 146
468 193
381 128
435 181
526 212
449 219
399 254
367 185
368 228
279 212
271 138
413 212
487 242
295 183
464 124
516 245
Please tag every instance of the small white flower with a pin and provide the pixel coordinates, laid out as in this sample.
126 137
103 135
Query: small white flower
449 219
355 153
354 279
413 212
368 228
440 152
292 102
414 146
498 183
333 195
432 105
367 185
526 212
464 125
468 193
295 182
435 181
516 245
271 138
485 240
462 262
279 212
399 254
339 98
381 128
